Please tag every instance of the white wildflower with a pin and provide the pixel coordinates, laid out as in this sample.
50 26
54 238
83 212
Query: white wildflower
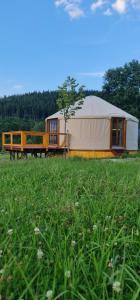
95 227
106 229
117 287
80 233
68 274
73 243
39 253
10 231
108 217
37 231
49 294
137 232
47 228
76 204
110 264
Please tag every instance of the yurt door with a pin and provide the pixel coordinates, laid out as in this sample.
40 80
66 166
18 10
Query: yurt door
118 133
53 131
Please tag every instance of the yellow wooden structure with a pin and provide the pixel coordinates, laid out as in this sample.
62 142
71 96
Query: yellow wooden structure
47 142
34 142
23 144
93 153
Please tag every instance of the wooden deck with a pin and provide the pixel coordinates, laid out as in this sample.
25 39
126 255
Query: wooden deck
25 142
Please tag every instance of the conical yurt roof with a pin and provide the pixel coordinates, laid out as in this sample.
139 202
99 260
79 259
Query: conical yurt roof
95 107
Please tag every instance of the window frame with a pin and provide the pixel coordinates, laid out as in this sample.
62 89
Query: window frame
123 146
55 133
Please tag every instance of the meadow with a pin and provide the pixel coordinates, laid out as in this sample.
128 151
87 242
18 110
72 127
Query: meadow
69 229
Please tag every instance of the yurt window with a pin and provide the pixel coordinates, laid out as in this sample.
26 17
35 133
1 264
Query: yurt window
118 132
52 128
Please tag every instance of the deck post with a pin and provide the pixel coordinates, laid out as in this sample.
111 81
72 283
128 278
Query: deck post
45 140
23 140
11 140
18 156
14 155
10 155
3 140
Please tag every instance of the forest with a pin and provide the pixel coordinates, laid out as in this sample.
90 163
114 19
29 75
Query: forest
121 87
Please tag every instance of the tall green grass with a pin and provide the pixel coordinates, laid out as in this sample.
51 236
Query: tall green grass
71 227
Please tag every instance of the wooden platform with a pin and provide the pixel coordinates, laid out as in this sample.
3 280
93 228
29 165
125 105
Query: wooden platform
24 142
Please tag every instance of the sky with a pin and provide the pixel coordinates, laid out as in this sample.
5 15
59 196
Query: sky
44 41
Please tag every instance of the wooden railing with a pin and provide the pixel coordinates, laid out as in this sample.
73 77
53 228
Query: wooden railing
22 140
60 140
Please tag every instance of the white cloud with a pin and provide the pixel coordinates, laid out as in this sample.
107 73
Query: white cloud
74 10
120 6
108 12
92 74
72 7
97 4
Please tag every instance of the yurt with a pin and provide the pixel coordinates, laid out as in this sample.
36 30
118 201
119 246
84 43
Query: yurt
98 129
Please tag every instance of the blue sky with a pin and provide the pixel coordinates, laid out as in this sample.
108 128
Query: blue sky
43 41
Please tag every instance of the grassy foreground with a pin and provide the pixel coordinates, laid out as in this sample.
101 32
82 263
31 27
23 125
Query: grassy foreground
69 229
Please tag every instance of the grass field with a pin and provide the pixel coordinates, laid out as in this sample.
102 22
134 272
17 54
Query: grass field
69 229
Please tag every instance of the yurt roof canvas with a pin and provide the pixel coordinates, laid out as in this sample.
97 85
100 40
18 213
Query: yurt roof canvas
95 107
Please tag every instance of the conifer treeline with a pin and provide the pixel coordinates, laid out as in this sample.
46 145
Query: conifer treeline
35 106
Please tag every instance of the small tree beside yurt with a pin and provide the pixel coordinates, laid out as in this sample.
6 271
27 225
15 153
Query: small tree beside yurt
70 100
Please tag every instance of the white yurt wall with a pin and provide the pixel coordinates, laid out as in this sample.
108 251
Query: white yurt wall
131 135
89 134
